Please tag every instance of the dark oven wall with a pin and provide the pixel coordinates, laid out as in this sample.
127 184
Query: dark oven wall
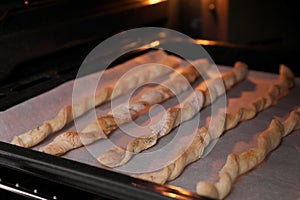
43 42
30 29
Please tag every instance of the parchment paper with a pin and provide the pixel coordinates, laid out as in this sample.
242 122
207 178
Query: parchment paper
276 178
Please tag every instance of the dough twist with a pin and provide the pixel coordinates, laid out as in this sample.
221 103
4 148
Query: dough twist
206 134
69 113
205 93
104 125
238 164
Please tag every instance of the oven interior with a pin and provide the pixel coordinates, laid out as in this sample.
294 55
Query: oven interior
43 43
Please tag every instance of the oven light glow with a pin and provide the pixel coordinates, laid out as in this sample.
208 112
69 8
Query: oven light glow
204 42
154 44
153 1
170 194
26 3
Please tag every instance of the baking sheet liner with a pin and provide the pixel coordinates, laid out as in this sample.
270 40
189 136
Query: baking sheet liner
278 176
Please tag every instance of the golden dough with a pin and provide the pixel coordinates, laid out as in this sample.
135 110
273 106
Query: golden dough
205 93
104 125
238 164
206 134
69 113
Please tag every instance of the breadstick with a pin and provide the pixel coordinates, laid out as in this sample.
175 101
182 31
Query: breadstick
206 134
104 125
69 113
204 95
238 164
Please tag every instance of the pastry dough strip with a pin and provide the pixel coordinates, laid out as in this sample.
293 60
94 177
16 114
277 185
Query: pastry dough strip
103 126
69 113
205 94
238 164
205 134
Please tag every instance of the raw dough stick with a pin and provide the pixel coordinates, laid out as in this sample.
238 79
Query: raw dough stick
205 134
68 113
205 92
103 126
238 164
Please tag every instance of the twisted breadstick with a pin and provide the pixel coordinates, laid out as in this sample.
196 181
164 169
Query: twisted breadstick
206 134
103 126
68 113
238 164
204 95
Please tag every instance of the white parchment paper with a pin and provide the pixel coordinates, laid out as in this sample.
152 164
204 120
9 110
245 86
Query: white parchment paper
276 178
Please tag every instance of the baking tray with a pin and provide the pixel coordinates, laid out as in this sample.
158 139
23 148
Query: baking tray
95 180
119 186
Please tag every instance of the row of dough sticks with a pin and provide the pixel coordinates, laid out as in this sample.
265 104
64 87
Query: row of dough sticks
179 80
